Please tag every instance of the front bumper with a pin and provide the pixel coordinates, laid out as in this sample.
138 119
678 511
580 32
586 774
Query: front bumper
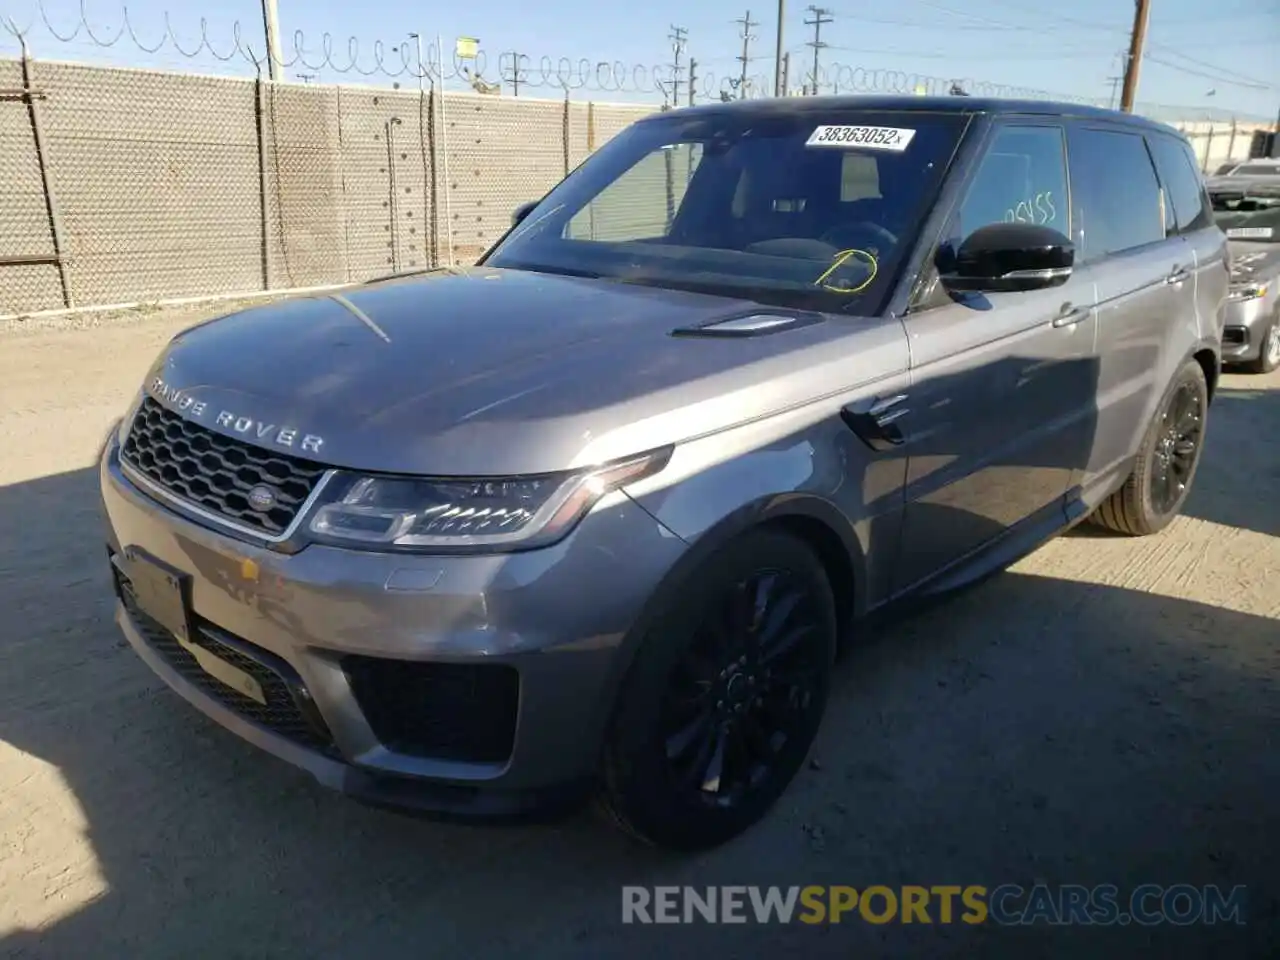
1244 329
476 686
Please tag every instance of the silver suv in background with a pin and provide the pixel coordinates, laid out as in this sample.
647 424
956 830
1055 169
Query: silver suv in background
1248 210
595 515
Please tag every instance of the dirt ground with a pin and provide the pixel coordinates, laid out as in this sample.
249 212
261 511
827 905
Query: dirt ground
1105 712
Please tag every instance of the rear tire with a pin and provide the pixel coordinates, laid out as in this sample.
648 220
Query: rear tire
1167 461
1268 358
725 697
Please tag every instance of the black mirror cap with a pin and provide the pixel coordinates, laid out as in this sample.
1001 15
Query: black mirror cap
1010 257
522 211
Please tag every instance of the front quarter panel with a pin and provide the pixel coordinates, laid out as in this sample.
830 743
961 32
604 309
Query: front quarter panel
800 462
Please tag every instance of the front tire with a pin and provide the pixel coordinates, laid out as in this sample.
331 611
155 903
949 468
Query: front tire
1167 461
725 696
1268 358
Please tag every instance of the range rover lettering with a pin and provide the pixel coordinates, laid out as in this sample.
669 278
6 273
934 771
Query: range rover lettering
593 516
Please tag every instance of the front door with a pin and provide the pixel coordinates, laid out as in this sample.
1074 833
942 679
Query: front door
1001 401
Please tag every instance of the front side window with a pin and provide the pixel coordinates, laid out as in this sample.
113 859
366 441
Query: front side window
643 202
1022 178
792 207
1187 206
1120 201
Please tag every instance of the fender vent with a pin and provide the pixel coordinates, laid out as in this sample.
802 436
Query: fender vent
750 325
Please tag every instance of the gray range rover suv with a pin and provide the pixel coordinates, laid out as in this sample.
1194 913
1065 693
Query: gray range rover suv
593 516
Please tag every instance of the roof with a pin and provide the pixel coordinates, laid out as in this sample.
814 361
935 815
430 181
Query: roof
931 104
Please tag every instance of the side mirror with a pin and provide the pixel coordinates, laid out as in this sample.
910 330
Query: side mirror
523 211
1009 258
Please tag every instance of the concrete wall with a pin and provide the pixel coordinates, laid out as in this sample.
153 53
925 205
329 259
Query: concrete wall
1217 141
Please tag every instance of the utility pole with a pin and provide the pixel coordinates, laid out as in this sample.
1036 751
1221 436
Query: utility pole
786 73
678 37
693 79
1141 13
778 85
515 72
422 73
271 22
747 37
821 15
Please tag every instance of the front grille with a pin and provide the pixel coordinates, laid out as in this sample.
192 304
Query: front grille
444 711
1235 336
217 472
288 710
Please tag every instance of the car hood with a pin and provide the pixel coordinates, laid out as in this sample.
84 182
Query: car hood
1253 262
489 372
1240 182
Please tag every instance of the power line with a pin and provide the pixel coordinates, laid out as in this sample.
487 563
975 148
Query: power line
821 16
1059 53
747 23
1209 76
1244 79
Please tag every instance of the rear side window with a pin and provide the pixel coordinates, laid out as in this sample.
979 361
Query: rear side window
1120 202
1022 178
1184 190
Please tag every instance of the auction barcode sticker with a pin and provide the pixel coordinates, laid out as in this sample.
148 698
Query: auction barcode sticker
871 138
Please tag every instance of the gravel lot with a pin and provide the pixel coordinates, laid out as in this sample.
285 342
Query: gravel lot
1105 712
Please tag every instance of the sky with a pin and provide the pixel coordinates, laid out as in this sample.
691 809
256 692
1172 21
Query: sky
1200 56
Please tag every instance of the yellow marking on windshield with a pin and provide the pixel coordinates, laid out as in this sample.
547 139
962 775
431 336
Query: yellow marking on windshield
839 261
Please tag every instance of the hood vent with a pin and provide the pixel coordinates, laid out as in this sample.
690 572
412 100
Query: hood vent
749 325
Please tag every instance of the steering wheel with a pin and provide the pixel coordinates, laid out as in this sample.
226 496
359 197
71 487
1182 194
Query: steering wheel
860 235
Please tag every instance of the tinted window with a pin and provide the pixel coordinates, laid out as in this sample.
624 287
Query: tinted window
643 202
791 208
1118 194
1022 178
1183 188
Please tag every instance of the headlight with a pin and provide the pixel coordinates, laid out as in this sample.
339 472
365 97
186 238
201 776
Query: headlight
450 514
1249 292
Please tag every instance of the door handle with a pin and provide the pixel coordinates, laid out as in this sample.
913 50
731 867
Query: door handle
875 421
1179 275
1070 315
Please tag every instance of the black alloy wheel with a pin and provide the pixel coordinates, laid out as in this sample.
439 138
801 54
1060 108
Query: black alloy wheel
744 688
1166 461
725 695
1177 450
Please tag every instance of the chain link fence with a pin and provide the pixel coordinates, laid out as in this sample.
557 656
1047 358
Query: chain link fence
140 186
125 186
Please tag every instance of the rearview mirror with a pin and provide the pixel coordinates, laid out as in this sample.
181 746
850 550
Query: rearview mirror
523 211
1008 258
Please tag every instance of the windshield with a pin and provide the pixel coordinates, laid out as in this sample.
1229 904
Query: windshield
813 212
1257 170
1247 216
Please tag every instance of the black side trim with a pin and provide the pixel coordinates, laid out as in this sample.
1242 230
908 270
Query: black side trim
875 421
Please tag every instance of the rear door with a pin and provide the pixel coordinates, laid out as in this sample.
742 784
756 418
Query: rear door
1002 384
1189 214
1144 273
